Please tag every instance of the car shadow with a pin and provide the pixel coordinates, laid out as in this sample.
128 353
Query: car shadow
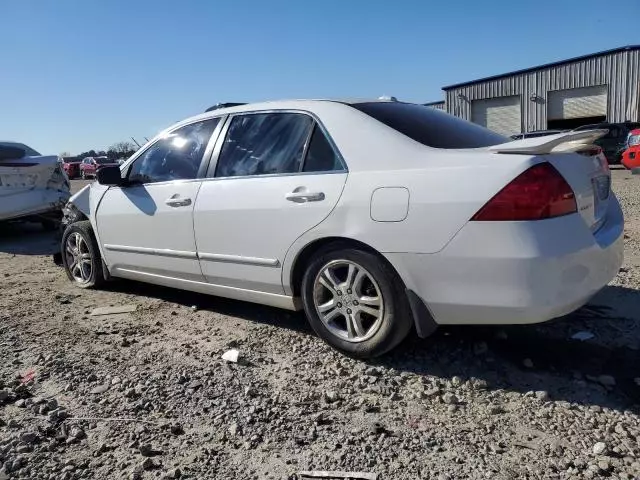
27 238
244 310
543 357
514 358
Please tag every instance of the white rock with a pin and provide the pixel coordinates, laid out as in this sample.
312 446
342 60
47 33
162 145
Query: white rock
582 336
231 355
599 448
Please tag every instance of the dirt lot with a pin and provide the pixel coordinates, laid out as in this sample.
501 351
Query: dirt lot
146 394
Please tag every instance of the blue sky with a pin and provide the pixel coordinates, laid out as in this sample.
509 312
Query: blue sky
79 74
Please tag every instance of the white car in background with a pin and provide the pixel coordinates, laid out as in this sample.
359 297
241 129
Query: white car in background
373 216
32 186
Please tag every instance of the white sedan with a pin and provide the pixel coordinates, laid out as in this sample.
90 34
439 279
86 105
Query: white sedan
32 186
374 217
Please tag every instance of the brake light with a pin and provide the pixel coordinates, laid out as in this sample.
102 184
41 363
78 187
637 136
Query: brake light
538 193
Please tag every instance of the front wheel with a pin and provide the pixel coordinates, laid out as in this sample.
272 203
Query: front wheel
355 302
81 256
83 175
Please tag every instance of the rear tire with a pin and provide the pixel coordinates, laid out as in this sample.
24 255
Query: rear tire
355 302
81 257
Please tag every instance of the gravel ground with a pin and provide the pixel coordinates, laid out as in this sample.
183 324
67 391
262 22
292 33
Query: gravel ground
146 394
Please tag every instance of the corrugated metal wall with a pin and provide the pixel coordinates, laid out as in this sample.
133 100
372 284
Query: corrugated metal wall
619 71
436 105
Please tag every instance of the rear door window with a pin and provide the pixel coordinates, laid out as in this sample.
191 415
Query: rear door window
264 144
429 126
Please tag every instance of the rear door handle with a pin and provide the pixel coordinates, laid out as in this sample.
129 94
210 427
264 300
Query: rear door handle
176 201
304 196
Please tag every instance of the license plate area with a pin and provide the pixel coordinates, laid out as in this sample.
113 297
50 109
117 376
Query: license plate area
18 180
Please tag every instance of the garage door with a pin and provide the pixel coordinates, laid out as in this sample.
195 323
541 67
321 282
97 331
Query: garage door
502 114
577 103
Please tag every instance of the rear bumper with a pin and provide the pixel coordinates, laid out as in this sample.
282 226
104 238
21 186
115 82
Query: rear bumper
516 272
32 202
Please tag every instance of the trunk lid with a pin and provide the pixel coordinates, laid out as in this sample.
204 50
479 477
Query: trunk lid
579 161
28 173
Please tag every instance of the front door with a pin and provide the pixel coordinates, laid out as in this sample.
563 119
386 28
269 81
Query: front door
146 226
276 177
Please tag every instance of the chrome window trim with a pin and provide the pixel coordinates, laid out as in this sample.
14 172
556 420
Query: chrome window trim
213 164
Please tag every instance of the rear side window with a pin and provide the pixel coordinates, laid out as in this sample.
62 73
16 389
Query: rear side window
321 157
264 144
429 126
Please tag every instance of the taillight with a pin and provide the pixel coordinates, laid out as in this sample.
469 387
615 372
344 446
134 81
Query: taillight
538 193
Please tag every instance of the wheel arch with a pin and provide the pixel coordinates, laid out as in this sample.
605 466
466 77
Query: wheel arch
423 320
306 253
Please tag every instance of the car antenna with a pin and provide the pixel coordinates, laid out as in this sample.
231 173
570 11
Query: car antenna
134 141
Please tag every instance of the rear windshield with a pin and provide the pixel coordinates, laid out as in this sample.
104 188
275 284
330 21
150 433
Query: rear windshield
429 126
29 152
102 160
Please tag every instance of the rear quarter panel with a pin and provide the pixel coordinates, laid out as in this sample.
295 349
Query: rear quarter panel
443 195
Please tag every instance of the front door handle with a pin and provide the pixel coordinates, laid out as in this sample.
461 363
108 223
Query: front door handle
303 196
176 201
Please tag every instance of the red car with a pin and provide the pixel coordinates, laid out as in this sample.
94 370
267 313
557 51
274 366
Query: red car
631 156
71 166
90 165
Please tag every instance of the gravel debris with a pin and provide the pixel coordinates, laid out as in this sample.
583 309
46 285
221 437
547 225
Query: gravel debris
78 402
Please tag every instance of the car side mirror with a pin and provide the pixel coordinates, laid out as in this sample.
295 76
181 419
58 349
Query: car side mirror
110 175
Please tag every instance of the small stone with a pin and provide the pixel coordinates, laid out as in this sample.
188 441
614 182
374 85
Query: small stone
148 464
4 395
456 381
330 396
480 348
194 385
100 389
495 410
29 437
542 395
431 392
450 398
77 432
599 448
604 465
20 403
607 380
116 380
92 377
394 396
528 363
13 423
147 450
175 473
235 429
176 429
52 404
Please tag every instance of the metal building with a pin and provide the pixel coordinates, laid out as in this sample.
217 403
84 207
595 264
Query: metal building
593 88
437 105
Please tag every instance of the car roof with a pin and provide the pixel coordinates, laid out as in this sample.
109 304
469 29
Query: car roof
294 104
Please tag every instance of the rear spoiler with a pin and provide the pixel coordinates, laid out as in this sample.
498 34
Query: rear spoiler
561 142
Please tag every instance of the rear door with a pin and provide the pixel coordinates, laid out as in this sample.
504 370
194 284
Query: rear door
146 226
277 175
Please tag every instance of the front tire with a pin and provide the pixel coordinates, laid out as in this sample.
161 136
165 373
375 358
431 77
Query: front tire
83 175
81 256
355 302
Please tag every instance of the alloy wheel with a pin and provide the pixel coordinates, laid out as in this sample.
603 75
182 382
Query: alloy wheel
348 300
79 259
